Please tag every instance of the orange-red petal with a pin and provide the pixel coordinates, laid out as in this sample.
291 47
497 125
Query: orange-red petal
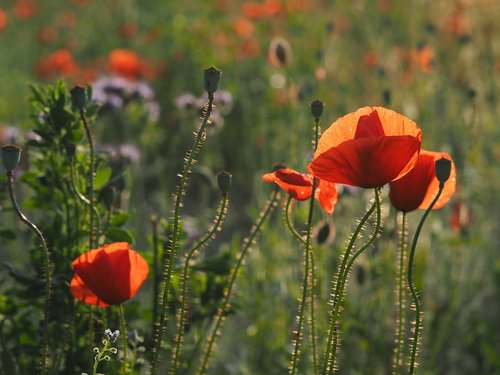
367 148
418 188
298 185
82 293
113 273
326 194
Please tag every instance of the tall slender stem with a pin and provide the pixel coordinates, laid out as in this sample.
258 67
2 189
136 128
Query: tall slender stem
400 293
169 261
154 223
82 197
46 272
305 286
416 301
332 343
221 312
123 330
91 177
221 213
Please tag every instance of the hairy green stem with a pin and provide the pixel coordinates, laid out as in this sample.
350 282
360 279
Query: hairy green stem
291 228
400 289
46 273
92 239
123 330
221 213
332 341
154 223
416 301
169 261
305 287
82 197
221 312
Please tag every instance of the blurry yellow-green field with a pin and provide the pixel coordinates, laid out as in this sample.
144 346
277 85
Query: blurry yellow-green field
436 62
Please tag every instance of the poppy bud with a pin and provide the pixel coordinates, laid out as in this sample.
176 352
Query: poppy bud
224 179
211 79
78 97
280 52
317 108
443 169
70 149
11 155
108 196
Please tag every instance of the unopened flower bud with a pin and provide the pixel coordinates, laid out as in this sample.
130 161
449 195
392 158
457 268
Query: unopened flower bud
11 155
224 179
211 79
443 169
317 108
78 97
70 149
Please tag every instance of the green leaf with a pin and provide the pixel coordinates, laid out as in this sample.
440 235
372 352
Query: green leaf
102 177
120 218
7 234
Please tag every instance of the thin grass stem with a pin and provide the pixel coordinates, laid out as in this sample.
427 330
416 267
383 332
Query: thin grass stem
400 294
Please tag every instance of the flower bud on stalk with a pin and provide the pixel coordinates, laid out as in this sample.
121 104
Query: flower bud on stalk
224 179
317 108
443 169
211 79
78 97
11 155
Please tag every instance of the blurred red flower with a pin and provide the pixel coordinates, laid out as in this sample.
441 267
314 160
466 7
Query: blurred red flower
24 9
109 275
419 187
3 19
59 62
367 148
126 63
243 27
299 186
422 58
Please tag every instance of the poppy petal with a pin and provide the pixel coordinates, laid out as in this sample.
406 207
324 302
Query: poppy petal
114 272
367 162
326 194
367 148
82 293
298 185
449 186
418 188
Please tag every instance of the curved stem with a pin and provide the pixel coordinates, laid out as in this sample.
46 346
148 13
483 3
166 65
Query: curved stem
305 287
331 348
46 272
401 277
91 178
413 291
221 312
123 330
169 261
291 228
221 213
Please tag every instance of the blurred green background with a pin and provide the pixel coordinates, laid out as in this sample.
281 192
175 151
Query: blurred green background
437 62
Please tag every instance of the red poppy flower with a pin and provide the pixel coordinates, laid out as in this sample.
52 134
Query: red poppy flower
125 63
109 275
419 187
299 186
60 62
367 148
